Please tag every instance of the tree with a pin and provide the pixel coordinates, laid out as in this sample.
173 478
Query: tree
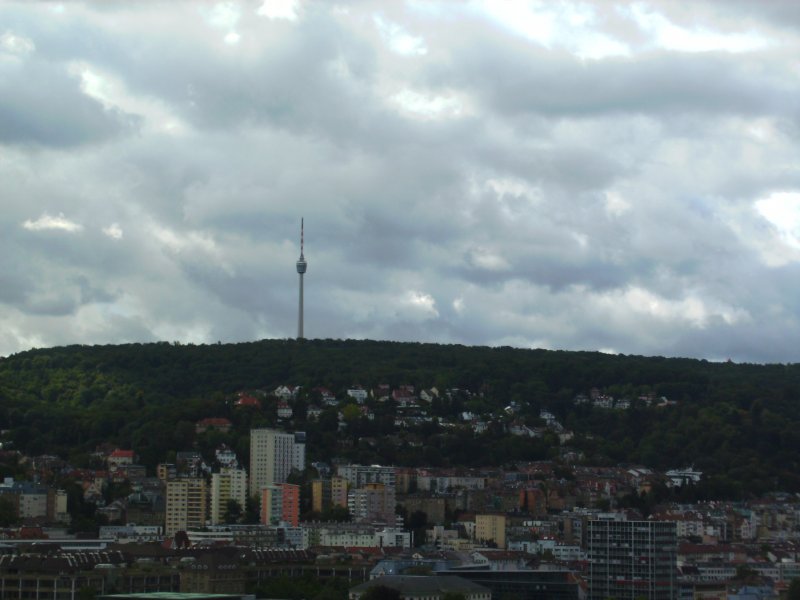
8 513
233 512
794 590
251 511
381 592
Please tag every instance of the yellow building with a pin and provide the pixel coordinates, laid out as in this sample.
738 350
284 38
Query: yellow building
328 492
228 484
187 500
339 487
491 528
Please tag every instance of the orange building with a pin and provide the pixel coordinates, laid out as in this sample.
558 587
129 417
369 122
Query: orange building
280 503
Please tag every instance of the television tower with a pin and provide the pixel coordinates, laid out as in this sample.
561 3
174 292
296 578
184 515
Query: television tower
301 269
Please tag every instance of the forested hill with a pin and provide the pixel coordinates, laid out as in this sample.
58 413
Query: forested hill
738 422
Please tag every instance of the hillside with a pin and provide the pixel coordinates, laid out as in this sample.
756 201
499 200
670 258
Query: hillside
738 423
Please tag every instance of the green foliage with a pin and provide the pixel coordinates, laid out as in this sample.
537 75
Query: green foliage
8 513
301 588
738 423
233 512
793 592
381 592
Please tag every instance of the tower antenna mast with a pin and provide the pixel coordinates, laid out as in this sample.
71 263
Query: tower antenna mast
302 265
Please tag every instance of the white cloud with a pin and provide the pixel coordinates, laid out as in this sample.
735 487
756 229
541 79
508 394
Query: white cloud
615 204
16 44
782 210
399 40
571 26
422 302
112 92
225 16
49 222
691 308
428 107
665 34
484 258
114 231
279 9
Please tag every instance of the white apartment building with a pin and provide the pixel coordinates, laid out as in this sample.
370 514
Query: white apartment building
273 455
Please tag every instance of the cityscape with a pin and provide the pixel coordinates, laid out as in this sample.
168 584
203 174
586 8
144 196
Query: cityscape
548 348
555 528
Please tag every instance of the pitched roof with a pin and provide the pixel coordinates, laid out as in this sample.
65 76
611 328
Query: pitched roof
122 454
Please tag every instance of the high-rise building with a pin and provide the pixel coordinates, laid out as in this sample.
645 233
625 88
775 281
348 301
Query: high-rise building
228 484
280 503
491 528
632 559
273 455
187 500
302 265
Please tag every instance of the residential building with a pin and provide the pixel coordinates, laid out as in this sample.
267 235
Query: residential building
360 475
632 559
228 484
120 457
165 471
326 493
339 488
320 494
373 502
186 504
280 503
491 528
273 455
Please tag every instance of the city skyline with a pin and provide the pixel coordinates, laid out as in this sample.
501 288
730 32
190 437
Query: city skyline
612 176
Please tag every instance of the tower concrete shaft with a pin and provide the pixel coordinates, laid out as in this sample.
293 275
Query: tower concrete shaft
302 265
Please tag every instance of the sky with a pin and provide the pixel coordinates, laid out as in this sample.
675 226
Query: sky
612 176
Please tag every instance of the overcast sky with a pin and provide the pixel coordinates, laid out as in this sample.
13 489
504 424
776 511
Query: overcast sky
622 177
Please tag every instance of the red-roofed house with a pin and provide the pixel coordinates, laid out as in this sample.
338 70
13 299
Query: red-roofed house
247 400
119 458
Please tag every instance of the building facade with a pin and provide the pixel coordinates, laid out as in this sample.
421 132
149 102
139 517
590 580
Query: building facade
373 502
360 475
228 484
491 528
280 503
187 499
273 455
632 559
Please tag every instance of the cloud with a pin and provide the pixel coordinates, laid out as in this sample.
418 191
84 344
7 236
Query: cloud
114 231
279 9
565 175
58 222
